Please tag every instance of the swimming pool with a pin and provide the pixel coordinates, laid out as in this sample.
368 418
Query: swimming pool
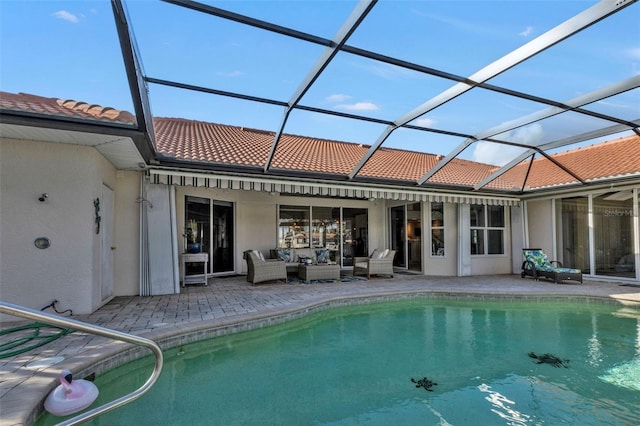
354 365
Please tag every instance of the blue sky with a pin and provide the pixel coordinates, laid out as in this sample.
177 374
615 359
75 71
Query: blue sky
70 50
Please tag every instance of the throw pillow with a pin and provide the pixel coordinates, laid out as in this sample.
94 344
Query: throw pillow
384 253
322 255
259 255
284 254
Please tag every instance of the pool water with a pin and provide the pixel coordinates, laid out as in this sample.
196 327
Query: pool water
354 365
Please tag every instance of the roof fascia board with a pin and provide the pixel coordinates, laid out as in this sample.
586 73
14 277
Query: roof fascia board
569 27
357 16
611 185
81 126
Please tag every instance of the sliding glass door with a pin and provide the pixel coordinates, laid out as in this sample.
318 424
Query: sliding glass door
595 233
209 228
406 236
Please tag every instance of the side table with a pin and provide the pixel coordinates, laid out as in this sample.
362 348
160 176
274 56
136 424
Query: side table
193 258
318 272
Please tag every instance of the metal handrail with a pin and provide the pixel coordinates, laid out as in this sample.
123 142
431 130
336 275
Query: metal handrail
44 317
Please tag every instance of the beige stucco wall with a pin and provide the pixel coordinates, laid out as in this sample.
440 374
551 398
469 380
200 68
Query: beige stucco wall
539 216
442 265
126 255
68 271
495 264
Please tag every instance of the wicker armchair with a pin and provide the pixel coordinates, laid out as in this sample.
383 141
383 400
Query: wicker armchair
379 263
260 269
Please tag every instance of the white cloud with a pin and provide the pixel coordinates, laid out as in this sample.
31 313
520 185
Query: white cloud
425 122
633 53
499 154
358 106
527 32
66 16
339 97
232 74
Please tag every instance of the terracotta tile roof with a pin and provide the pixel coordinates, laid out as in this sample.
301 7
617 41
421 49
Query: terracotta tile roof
218 143
210 143
57 107
612 159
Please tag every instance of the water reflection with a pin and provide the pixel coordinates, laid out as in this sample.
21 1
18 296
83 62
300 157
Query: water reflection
502 407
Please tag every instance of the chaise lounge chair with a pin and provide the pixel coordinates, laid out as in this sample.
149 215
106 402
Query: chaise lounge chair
379 263
260 269
537 265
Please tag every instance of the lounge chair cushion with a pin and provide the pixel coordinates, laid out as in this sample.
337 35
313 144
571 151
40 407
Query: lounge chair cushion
537 265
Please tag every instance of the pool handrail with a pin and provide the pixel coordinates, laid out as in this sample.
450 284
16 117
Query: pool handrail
66 322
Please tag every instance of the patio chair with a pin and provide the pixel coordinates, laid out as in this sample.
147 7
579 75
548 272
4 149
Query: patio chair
536 264
379 263
260 269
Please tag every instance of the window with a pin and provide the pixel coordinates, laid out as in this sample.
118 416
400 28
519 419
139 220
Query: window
344 231
293 227
437 229
487 229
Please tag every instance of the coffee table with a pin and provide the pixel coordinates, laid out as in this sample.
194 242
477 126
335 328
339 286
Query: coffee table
318 272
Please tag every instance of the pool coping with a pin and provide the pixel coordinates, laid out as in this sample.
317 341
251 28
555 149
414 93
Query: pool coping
116 354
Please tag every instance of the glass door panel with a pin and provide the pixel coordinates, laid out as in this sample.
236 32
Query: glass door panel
572 233
223 243
197 230
613 234
325 230
398 235
355 234
414 235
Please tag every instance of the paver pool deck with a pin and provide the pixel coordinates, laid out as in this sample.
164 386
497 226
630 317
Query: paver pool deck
231 304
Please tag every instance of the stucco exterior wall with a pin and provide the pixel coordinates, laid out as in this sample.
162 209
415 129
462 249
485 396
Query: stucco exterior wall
498 263
540 219
126 255
442 265
69 270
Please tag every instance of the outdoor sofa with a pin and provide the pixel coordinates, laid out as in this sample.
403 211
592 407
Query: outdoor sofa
292 257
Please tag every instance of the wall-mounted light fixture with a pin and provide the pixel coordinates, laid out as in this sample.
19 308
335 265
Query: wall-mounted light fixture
42 243
43 197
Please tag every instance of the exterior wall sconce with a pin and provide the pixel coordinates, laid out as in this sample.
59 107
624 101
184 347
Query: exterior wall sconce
42 243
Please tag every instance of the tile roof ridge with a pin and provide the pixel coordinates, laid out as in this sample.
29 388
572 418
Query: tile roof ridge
80 107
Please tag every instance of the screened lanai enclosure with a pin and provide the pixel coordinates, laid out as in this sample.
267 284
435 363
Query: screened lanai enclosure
495 82
433 108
